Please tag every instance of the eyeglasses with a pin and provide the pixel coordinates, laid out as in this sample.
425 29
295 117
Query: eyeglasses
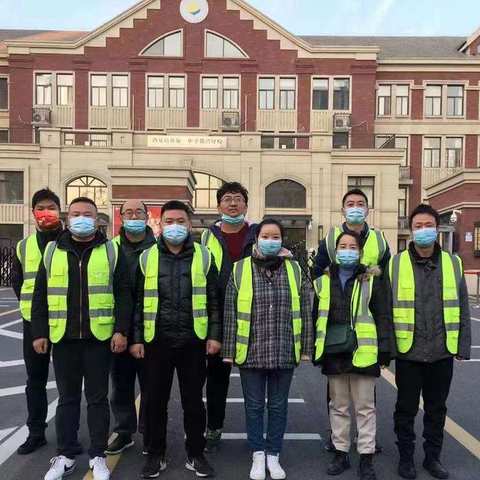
139 213
230 200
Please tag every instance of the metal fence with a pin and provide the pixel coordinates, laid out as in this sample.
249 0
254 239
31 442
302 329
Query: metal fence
7 252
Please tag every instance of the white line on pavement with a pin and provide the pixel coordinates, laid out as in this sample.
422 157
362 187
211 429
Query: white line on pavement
5 392
6 432
11 363
241 400
13 322
234 375
287 436
8 333
3 314
475 319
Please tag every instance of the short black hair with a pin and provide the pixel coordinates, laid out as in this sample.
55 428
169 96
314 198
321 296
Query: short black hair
232 187
355 235
354 191
83 200
423 208
176 205
143 203
270 221
45 194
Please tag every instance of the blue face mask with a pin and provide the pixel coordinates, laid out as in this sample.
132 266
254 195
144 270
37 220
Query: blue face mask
82 226
269 248
348 258
233 220
135 227
425 237
175 234
355 215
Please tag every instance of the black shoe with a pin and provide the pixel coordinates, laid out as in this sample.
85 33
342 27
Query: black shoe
200 466
339 464
365 469
31 444
406 468
213 439
329 446
121 443
154 465
435 468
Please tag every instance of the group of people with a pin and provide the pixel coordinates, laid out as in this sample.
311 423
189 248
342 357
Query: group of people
137 307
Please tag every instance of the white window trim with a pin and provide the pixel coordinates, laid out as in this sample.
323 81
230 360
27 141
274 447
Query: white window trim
276 140
331 79
182 37
408 137
220 106
276 99
443 151
2 75
393 84
54 74
166 90
109 89
444 84
213 32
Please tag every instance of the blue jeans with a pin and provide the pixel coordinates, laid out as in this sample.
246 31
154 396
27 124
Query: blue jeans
255 382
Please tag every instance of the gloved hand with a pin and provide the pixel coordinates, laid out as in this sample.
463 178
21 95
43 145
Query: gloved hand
384 359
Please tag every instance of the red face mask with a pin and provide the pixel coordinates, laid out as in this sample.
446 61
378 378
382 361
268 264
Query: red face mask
47 219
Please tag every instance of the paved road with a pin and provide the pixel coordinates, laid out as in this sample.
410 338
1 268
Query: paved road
304 457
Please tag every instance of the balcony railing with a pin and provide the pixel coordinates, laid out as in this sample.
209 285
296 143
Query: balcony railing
11 213
434 175
403 223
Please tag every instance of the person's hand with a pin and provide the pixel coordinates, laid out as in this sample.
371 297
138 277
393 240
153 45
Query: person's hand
137 350
40 345
305 358
228 360
213 347
118 343
384 359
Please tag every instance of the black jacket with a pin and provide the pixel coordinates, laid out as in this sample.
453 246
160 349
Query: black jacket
174 322
78 317
339 313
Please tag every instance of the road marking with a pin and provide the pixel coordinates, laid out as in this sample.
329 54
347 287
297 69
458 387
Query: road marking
475 319
287 436
234 375
5 392
466 439
13 322
11 363
3 314
6 432
242 400
473 360
8 333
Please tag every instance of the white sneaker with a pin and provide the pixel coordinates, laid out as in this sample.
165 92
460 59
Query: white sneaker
258 466
274 467
99 468
59 467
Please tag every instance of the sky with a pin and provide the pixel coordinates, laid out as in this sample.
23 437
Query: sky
302 17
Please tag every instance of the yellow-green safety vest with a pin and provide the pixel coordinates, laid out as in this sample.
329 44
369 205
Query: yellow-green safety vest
30 257
101 268
149 263
243 279
210 241
362 321
402 279
373 250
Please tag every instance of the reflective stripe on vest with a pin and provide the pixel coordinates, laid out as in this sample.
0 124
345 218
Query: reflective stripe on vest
117 240
210 241
402 279
373 250
243 278
362 319
30 257
149 263
101 268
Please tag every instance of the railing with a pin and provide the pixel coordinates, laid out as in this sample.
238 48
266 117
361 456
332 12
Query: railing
109 117
11 213
403 223
161 118
62 116
321 121
7 254
405 173
277 120
434 175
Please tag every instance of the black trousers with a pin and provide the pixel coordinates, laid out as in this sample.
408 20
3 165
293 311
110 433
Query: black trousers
218 380
161 361
37 377
76 361
124 373
432 380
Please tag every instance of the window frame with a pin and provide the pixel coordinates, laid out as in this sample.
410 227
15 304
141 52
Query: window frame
286 94
328 80
122 90
8 135
272 206
68 185
207 32
162 37
177 89
371 202
209 189
20 198
36 86
213 93
462 101
431 98
384 102
431 150
404 199
459 160
70 90
163 90
7 82
266 91
336 78
93 88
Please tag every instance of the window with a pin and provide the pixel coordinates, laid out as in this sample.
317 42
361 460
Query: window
3 93
287 93
267 141
209 92
206 190
99 90
455 100
176 87
401 245
402 100
402 202
231 87
4 136
285 143
156 92
320 94
266 93
69 139
402 142
219 47
285 194
170 45
99 139
384 100
340 140
43 88
341 94
433 101
89 187
120 90
431 152
366 185
64 89
11 187
454 152
476 239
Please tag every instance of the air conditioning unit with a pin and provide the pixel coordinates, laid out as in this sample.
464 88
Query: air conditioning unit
41 116
342 122
231 121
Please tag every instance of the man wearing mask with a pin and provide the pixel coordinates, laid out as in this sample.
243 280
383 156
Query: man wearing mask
177 322
431 317
229 240
46 213
134 238
82 305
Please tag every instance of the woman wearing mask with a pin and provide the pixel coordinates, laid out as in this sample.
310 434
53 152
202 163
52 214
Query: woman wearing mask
354 337
267 331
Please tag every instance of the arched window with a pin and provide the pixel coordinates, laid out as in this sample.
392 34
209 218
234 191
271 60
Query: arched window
217 46
89 187
170 45
285 194
206 190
